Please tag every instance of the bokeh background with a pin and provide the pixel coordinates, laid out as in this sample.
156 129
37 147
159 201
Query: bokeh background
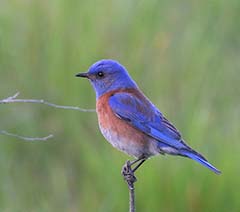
185 57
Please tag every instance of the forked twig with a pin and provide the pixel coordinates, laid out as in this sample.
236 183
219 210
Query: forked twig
13 99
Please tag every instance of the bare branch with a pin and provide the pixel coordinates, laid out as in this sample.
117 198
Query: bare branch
3 132
13 99
129 177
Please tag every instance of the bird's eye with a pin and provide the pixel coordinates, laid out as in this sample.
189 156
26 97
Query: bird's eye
100 74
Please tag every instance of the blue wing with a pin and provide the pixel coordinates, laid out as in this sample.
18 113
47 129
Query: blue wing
144 116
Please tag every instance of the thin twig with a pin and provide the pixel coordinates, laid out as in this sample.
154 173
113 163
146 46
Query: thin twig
130 178
132 199
3 132
13 99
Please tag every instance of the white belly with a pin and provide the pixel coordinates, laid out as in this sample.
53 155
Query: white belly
128 146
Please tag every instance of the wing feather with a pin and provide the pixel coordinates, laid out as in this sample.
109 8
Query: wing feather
144 116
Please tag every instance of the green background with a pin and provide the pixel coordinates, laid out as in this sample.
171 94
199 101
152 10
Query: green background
185 57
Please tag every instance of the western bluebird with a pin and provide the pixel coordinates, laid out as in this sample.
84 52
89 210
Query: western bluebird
130 121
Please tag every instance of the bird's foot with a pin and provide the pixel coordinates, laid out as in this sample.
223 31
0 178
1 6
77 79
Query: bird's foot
128 174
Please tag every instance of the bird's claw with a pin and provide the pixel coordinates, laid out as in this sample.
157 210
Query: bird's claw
128 174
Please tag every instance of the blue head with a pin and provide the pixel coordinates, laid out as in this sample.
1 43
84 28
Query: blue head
107 75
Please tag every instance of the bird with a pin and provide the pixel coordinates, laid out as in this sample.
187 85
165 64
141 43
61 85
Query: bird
129 121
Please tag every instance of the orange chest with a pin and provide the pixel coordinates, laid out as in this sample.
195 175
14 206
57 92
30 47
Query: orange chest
106 118
121 134
113 127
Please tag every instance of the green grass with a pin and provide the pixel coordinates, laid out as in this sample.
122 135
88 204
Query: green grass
185 57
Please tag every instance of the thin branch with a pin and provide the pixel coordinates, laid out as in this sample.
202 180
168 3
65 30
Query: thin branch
129 177
3 132
13 99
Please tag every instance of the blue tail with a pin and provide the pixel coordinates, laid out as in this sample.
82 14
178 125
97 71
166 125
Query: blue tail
199 158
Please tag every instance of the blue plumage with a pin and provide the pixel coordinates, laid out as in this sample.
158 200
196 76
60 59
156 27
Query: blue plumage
130 108
130 121
200 159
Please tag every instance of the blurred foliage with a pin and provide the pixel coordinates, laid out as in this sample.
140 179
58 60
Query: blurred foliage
185 57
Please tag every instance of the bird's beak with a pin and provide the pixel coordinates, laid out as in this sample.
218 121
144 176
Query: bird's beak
86 75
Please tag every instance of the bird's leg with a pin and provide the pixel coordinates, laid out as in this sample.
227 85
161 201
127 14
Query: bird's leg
139 164
129 177
135 161
128 171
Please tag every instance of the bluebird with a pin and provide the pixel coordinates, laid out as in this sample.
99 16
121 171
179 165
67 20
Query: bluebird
130 121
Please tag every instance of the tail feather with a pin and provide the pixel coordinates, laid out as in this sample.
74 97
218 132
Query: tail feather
199 158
